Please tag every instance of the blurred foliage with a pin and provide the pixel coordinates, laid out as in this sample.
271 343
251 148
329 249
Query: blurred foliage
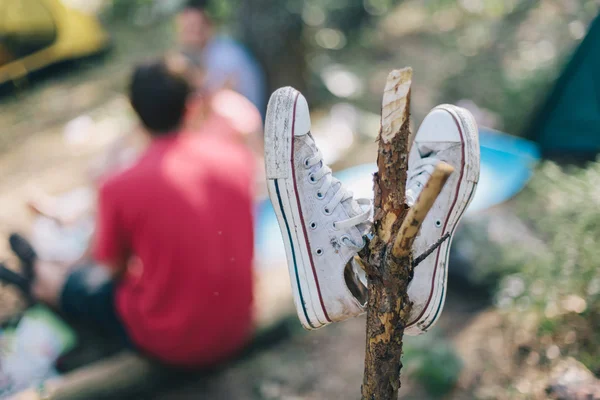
477 252
502 54
432 361
563 284
510 52
127 9
557 283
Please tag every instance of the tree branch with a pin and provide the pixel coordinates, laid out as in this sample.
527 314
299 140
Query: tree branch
388 279
388 260
415 216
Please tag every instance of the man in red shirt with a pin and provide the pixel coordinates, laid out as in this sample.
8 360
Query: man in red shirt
174 238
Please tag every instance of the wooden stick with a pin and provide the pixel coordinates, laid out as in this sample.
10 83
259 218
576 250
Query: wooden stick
412 223
388 279
387 259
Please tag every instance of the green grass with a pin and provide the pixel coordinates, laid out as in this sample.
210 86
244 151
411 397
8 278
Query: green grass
432 361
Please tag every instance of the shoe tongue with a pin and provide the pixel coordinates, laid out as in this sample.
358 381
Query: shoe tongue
415 186
417 153
425 150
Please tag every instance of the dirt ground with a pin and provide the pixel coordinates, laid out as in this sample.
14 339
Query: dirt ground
325 364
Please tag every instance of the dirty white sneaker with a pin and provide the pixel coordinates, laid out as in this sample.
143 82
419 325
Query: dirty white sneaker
449 134
321 223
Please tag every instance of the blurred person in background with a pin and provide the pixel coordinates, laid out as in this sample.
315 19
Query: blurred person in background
227 63
171 267
238 117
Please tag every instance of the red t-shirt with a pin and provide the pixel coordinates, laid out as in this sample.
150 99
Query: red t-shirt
184 214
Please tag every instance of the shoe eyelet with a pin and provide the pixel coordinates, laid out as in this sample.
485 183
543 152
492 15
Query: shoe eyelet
313 225
311 178
320 195
438 223
305 162
319 252
334 226
326 210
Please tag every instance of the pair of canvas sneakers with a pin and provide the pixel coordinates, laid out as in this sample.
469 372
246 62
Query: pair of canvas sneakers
324 227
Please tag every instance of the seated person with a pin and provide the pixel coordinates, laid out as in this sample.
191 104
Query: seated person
171 266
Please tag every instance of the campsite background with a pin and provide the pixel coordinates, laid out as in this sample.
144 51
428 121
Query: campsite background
523 307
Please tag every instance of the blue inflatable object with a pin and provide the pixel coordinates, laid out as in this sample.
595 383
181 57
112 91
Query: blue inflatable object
507 163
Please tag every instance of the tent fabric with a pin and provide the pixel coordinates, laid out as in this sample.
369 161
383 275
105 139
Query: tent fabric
569 120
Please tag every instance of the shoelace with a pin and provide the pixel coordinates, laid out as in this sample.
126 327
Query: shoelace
341 195
418 177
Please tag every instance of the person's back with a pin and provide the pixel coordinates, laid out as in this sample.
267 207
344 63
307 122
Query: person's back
185 208
181 217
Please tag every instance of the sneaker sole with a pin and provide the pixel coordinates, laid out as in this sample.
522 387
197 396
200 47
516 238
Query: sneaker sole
464 194
279 161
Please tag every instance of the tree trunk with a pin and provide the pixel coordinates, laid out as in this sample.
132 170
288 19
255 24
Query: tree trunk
275 35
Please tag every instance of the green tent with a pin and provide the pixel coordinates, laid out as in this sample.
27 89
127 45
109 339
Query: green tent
568 124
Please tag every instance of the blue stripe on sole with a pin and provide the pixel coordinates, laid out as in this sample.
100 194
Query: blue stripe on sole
293 253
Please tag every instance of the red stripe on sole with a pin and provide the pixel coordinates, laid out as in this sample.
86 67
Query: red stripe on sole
301 216
437 257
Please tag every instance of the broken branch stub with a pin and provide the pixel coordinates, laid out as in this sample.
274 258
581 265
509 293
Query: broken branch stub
392 164
417 213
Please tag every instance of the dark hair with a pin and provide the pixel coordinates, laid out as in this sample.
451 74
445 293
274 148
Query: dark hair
158 94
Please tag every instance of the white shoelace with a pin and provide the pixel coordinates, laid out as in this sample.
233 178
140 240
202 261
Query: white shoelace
418 177
323 173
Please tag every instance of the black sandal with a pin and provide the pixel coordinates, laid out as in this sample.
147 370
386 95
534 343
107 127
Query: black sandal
12 278
25 252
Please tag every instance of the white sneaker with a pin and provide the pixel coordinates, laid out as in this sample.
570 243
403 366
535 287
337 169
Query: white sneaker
449 134
323 226
321 223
